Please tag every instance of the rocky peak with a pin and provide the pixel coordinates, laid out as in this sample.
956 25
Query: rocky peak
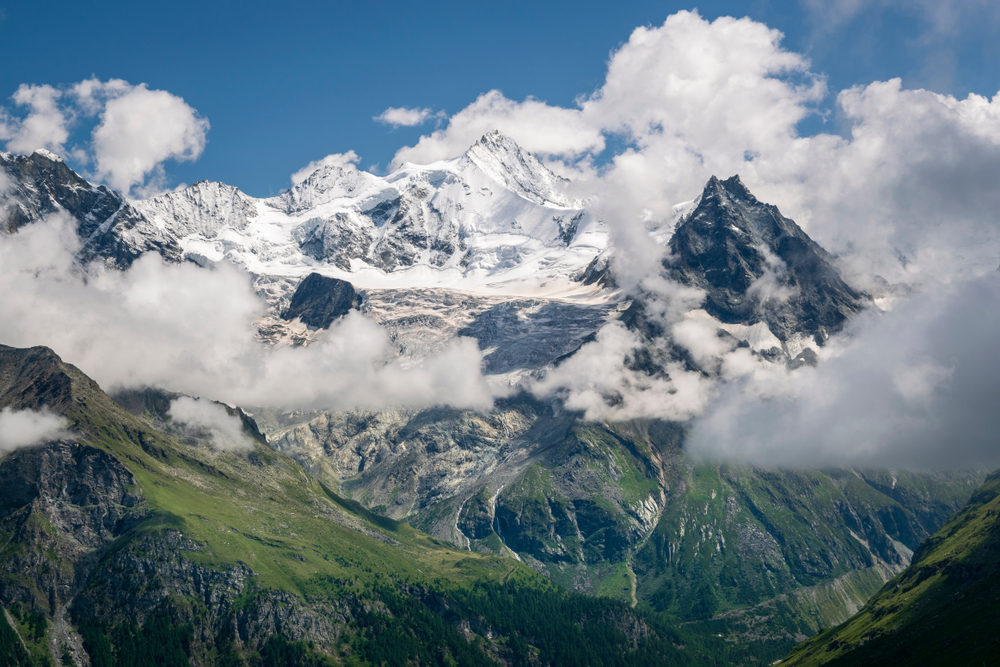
111 228
319 300
204 208
327 183
41 184
503 160
757 265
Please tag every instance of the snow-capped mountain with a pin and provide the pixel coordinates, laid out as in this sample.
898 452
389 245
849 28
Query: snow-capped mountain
487 237
494 213
108 225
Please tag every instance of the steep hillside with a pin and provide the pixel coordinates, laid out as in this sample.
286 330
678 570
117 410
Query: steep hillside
619 510
941 610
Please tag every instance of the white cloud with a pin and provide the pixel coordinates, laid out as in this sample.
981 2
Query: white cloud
225 430
346 160
92 94
915 387
403 117
142 128
190 330
597 381
536 126
137 129
693 98
45 125
23 428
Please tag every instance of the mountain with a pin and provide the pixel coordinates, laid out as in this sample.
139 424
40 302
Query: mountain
941 610
620 510
108 225
756 265
132 541
485 213
491 245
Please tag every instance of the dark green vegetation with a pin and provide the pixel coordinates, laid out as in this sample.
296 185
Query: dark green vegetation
12 651
941 610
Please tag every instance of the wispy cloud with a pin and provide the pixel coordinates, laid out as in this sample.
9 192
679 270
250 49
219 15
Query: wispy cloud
404 117
207 418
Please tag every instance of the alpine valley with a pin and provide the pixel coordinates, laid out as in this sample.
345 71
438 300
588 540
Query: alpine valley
531 533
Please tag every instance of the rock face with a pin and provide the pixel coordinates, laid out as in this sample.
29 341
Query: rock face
66 499
33 379
755 265
580 501
319 300
108 225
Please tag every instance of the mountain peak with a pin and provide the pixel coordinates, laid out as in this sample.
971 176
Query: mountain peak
757 265
48 155
503 160
731 188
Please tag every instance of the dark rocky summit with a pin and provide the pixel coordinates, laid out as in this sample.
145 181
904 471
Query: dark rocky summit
319 300
757 265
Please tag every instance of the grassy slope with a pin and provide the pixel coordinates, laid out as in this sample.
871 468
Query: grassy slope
939 611
273 516
771 532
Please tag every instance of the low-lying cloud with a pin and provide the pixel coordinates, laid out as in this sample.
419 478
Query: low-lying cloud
206 418
191 330
918 386
23 428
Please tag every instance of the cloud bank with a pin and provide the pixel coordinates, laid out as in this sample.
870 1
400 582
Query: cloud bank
917 386
190 330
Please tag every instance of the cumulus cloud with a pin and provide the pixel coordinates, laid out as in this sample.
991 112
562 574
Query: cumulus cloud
403 117
208 419
137 129
45 125
907 196
694 98
23 428
346 160
189 329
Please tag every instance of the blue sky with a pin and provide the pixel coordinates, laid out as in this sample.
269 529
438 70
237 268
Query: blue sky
285 84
